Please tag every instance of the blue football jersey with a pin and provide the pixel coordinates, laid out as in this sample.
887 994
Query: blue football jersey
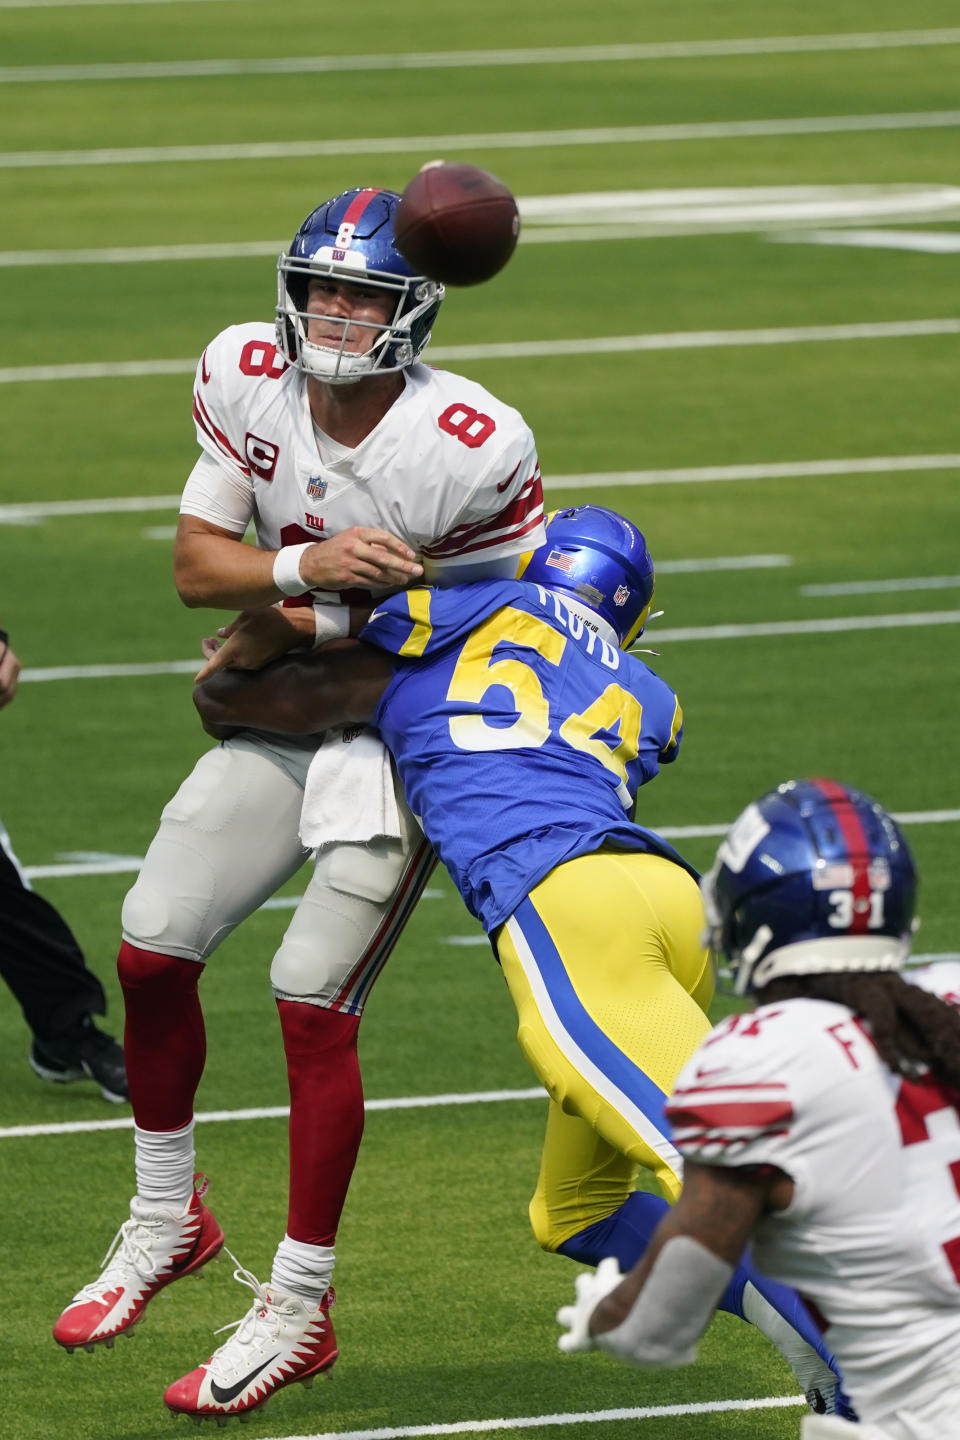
520 736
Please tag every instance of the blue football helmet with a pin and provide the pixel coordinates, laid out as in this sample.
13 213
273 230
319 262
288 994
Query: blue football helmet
601 559
351 238
814 877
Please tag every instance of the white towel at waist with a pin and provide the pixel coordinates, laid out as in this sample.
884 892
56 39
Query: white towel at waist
349 795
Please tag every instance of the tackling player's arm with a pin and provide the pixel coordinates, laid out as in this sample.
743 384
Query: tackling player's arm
296 696
255 637
655 1314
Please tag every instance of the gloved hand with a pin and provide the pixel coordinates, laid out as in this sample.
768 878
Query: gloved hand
591 1286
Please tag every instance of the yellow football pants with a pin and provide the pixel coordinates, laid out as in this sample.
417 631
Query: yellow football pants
606 966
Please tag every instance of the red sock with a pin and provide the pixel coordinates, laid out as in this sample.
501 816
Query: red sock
164 1041
326 1116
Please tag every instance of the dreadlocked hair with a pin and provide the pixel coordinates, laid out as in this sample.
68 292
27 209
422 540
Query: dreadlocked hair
910 1027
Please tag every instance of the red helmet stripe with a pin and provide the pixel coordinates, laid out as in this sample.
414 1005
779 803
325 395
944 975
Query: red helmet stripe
858 849
358 204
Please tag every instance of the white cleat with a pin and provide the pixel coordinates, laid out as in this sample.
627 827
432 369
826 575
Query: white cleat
283 1339
150 1250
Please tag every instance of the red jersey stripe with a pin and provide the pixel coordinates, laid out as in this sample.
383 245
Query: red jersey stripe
496 542
732 1086
755 1114
699 1139
519 516
206 424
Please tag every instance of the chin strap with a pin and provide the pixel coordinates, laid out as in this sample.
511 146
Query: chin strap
645 649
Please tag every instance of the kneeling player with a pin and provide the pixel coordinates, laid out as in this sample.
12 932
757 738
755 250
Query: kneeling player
823 1126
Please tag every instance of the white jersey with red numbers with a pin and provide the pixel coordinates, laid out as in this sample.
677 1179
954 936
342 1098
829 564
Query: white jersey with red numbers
872 1236
449 469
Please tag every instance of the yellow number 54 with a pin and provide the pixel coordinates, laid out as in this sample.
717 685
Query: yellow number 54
616 711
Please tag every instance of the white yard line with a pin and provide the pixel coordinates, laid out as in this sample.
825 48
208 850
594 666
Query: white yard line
112 672
585 1417
275 1112
788 470
610 214
706 832
710 563
827 626
883 587
30 512
426 146
130 864
469 59
70 4
544 349
697 340
924 242
51 509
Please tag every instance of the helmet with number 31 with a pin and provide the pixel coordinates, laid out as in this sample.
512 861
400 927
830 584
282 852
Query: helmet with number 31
350 238
814 877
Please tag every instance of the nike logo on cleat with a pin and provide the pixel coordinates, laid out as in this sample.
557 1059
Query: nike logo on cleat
180 1262
224 1396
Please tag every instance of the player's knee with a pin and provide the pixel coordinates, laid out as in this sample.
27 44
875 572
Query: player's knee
547 1233
368 872
302 970
158 913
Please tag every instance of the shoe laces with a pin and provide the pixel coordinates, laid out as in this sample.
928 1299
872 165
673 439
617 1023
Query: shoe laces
126 1251
265 1315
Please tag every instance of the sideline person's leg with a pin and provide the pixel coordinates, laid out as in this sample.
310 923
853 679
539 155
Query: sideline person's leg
45 969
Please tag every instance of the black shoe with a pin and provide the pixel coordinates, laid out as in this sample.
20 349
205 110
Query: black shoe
84 1052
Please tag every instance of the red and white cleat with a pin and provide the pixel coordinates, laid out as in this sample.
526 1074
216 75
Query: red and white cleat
149 1251
281 1340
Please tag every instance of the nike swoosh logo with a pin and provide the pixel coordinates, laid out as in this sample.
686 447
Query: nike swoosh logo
182 1261
223 1397
204 372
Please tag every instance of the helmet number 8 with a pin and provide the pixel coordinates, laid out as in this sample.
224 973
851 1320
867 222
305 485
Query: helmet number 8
345 235
842 917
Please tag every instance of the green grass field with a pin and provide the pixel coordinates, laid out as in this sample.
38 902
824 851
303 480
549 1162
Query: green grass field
446 1305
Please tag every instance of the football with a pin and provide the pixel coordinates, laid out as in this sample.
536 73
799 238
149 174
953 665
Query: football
456 223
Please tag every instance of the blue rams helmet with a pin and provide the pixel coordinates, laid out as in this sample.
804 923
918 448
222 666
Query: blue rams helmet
814 877
601 559
351 238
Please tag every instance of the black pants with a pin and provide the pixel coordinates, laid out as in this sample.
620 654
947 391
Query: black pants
40 959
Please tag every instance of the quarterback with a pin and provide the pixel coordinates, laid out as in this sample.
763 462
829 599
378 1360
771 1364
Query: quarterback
359 469
824 1125
521 732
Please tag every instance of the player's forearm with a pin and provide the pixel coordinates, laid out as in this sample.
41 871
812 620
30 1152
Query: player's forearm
296 696
261 699
221 573
717 1208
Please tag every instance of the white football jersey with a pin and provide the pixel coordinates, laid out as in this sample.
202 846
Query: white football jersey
449 469
872 1236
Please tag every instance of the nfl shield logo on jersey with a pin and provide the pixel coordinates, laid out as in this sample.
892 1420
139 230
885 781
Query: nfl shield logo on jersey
621 595
316 487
